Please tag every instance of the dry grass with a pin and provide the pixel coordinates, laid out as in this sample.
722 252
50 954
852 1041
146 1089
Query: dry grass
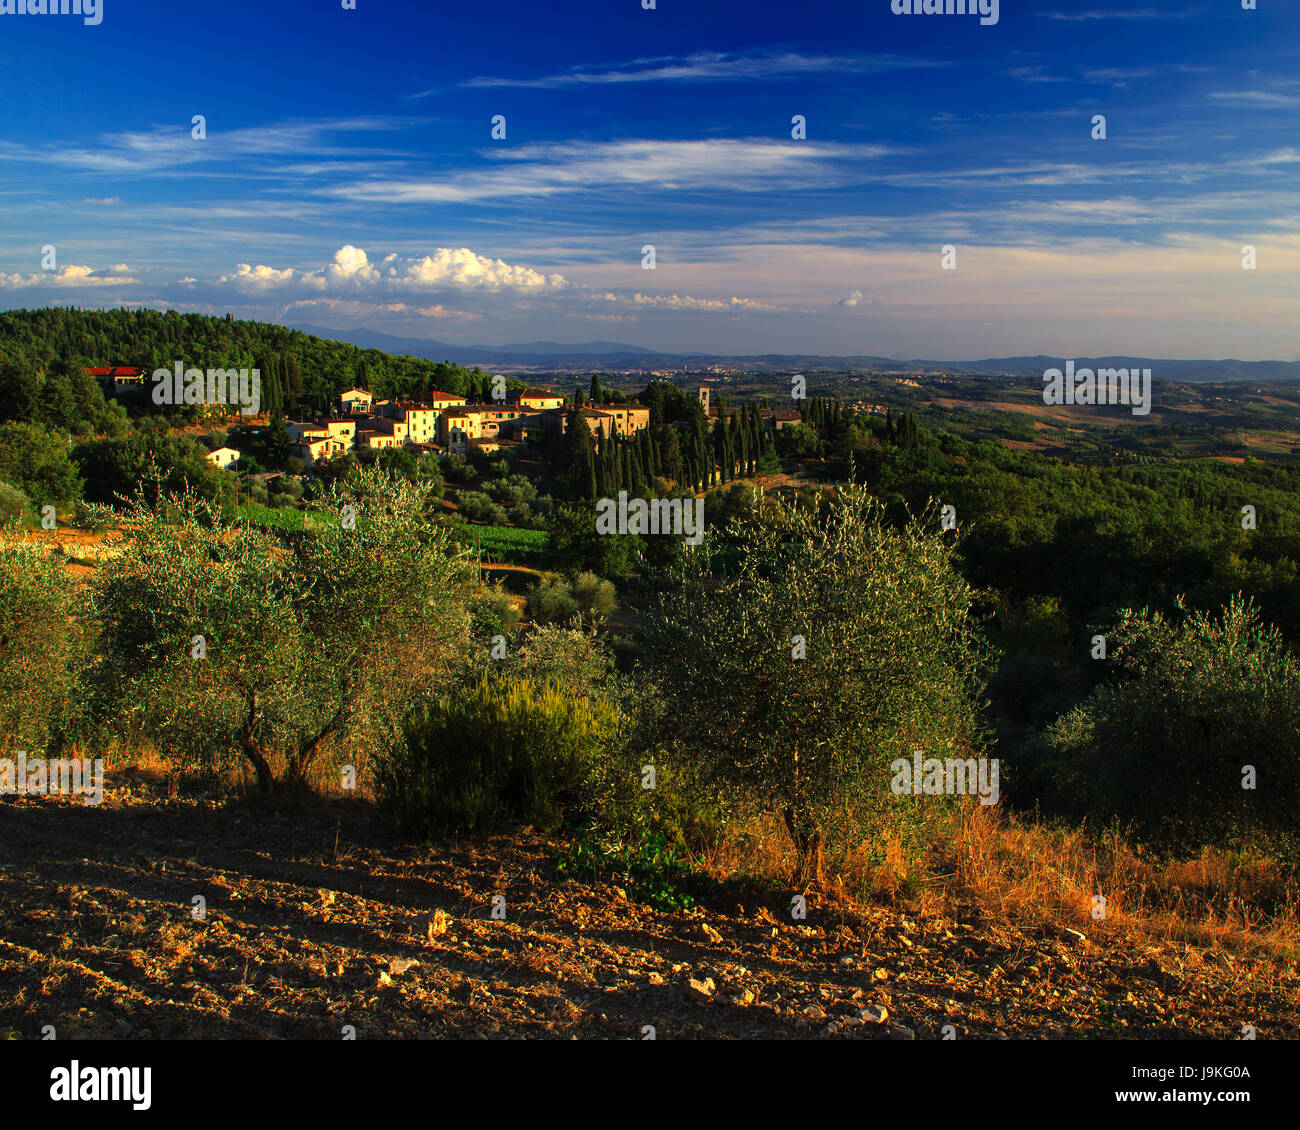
1025 873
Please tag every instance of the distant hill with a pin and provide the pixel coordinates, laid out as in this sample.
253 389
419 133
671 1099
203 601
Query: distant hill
1161 368
522 353
613 354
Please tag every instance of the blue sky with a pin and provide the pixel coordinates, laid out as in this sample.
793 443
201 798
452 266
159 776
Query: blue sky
349 177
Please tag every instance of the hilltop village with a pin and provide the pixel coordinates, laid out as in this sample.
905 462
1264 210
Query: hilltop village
448 424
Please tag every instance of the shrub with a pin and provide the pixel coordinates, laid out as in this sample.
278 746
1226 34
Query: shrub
494 613
41 647
477 507
594 596
503 751
1164 745
13 505
37 463
552 602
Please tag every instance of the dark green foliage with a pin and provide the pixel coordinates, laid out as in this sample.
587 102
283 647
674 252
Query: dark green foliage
503 751
1163 744
889 662
36 462
577 547
116 468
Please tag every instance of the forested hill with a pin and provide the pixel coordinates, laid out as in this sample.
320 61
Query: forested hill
310 370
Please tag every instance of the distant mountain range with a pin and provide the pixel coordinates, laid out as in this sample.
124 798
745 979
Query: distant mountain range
618 355
520 353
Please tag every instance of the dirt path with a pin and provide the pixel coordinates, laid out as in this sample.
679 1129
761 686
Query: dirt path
312 916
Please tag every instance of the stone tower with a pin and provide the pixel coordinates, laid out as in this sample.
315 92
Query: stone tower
704 398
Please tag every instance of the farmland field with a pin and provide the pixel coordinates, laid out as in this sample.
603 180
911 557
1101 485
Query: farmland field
505 543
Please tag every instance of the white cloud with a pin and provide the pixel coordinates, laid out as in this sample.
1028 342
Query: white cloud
72 275
164 148
351 265
462 268
550 168
685 302
258 278
454 269
852 298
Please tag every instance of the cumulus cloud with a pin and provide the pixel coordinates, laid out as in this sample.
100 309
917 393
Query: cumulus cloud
462 268
447 268
258 278
71 275
852 298
350 264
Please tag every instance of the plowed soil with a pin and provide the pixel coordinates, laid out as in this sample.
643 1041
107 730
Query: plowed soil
317 922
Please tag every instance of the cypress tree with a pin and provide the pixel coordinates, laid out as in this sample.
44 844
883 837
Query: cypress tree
591 475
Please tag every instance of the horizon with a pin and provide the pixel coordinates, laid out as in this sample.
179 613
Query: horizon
396 211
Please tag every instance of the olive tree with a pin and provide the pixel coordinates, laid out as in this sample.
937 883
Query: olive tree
220 640
1195 738
42 637
810 648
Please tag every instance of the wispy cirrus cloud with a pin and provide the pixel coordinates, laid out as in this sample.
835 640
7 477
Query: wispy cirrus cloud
549 168
1280 92
711 66
1122 14
164 149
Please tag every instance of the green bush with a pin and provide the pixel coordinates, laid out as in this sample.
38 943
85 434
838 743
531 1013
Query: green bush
1164 745
552 602
503 751
594 596
36 461
42 648
13 505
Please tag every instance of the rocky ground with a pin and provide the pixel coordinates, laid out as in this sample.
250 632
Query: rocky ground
317 920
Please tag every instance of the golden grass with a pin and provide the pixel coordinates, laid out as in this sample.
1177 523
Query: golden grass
1027 874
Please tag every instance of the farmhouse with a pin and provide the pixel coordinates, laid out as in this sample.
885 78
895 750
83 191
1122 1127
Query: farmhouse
223 457
356 400
459 427
119 376
612 419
